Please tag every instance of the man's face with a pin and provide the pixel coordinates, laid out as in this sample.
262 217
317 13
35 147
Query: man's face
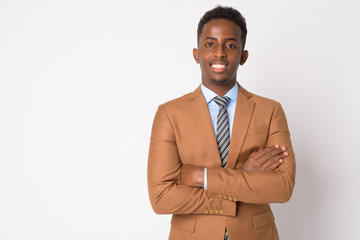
220 52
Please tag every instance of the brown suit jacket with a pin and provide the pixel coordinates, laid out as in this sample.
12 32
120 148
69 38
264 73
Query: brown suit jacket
182 133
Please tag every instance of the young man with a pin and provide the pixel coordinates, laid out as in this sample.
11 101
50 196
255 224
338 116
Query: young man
219 155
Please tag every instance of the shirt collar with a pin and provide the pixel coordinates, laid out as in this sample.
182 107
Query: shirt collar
209 95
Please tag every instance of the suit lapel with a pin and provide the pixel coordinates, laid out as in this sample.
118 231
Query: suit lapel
201 116
243 113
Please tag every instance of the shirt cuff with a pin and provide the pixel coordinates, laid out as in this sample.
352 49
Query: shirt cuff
205 178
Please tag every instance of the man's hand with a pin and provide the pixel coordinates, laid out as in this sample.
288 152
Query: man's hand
267 159
192 176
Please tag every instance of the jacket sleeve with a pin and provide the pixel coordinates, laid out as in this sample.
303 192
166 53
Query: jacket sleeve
258 186
166 195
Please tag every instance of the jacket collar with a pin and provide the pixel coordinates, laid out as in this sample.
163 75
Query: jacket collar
243 113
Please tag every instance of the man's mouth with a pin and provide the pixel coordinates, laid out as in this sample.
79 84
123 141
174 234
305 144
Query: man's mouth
218 68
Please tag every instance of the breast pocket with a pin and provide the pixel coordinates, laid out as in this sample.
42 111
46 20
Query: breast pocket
257 130
255 139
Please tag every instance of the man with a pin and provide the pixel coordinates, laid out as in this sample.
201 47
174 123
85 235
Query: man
219 155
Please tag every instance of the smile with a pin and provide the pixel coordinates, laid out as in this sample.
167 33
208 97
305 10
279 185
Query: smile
218 68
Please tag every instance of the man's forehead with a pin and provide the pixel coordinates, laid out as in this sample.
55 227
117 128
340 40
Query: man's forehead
220 27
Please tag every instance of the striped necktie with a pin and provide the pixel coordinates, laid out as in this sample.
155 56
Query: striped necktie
222 126
223 134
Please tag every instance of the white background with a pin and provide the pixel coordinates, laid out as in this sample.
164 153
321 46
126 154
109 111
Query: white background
80 82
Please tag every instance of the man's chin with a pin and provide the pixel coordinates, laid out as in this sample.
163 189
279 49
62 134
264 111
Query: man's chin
219 81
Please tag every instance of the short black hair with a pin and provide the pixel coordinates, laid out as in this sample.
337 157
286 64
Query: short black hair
228 13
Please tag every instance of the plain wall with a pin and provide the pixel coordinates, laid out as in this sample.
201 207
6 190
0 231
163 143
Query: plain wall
80 82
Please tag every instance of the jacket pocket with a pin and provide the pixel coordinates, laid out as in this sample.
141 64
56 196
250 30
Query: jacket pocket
183 223
262 219
258 130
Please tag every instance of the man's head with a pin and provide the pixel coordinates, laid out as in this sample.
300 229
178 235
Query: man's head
228 13
220 51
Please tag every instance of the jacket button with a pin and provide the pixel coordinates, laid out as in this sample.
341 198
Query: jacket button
206 211
225 197
221 211
220 196
216 211
235 199
230 198
211 211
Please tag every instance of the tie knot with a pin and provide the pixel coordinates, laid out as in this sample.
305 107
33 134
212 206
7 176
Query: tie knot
221 101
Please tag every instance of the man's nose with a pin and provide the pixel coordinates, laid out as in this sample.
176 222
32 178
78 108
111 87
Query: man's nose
220 52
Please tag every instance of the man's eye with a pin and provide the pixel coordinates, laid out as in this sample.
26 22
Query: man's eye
231 46
209 44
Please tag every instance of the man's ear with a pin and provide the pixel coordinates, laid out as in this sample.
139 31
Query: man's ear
244 57
196 55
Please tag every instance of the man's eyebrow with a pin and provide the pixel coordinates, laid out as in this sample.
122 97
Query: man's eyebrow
229 39
233 39
212 38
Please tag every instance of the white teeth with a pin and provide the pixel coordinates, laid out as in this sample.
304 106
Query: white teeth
218 66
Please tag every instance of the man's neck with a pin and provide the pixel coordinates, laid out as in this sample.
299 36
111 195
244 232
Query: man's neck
220 90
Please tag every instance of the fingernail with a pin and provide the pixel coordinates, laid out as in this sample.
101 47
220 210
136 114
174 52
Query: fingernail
277 146
281 161
283 148
286 153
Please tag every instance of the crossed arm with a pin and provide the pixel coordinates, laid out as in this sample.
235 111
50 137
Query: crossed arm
267 159
266 176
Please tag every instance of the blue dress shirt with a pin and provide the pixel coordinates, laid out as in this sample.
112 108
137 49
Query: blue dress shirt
214 110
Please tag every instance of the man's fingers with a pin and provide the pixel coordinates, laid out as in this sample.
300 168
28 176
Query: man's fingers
275 165
258 154
265 159
273 160
268 153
